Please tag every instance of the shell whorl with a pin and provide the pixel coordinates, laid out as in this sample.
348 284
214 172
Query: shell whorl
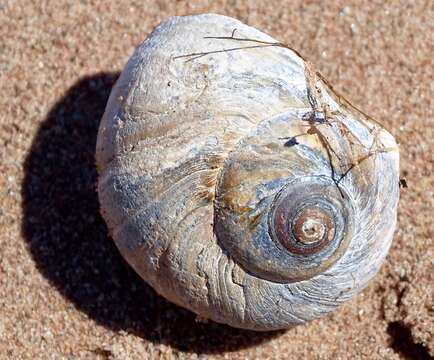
209 201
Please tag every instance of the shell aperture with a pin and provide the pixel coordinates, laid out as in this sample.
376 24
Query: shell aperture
237 183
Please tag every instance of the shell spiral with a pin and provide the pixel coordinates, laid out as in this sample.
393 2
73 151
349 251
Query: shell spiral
237 183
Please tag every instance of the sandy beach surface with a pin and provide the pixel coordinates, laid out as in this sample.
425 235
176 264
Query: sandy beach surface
65 291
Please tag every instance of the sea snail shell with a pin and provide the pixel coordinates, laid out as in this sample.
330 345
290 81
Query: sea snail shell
214 199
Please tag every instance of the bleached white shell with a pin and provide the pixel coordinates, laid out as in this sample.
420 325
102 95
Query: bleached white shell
194 160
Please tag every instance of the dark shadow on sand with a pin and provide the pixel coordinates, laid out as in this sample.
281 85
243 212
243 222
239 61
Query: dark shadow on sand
70 244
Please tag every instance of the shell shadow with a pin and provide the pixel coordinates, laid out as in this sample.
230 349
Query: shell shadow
69 241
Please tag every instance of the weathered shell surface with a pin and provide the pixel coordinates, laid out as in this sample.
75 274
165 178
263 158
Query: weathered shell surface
201 180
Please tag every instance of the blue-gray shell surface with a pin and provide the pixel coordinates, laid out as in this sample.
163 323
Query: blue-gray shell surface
237 183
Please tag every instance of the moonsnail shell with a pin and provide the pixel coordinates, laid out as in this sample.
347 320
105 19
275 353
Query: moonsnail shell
237 183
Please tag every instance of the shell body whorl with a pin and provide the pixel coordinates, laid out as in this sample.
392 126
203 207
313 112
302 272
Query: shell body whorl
237 183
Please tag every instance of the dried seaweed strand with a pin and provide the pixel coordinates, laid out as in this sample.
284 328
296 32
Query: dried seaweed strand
312 119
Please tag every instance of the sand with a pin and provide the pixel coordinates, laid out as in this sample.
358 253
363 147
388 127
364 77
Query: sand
66 293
